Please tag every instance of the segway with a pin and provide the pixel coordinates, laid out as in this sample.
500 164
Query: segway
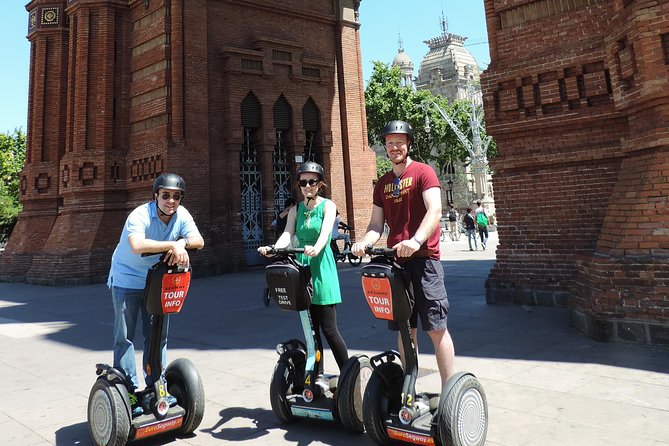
392 410
110 419
297 390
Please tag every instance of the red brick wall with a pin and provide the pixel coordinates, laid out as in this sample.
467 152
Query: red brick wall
120 92
577 98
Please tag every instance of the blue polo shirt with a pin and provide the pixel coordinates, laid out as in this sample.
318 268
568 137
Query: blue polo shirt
128 270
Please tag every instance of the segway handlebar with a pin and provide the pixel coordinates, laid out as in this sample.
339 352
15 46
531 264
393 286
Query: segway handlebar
288 250
162 253
372 251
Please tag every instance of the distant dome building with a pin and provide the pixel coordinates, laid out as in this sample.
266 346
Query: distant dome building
448 68
405 63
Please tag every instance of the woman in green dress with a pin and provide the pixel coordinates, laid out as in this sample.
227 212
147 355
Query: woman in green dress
311 222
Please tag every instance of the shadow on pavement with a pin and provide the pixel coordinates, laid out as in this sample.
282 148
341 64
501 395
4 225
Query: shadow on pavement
73 434
256 424
226 312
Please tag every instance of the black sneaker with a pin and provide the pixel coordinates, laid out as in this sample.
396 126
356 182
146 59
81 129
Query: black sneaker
135 406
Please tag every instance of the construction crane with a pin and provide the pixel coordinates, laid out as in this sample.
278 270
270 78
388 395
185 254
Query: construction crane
477 147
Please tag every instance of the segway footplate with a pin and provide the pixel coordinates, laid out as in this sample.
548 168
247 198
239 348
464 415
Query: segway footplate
147 425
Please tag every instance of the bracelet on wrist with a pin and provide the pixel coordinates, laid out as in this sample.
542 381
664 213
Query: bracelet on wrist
415 239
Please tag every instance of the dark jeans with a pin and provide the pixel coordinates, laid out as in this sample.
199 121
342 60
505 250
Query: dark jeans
483 234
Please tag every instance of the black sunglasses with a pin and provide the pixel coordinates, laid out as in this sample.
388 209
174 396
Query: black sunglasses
166 196
396 189
310 182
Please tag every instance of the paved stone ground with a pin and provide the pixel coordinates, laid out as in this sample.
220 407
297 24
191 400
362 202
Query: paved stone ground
546 383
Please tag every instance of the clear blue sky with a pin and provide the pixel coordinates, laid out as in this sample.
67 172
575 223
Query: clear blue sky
383 22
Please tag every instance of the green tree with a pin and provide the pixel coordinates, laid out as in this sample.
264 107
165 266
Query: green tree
12 159
387 99
383 165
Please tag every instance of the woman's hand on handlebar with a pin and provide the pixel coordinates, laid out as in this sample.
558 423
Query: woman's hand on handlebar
264 250
311 251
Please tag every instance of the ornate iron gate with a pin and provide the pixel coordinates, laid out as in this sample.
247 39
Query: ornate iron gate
311 123
251 208
281 173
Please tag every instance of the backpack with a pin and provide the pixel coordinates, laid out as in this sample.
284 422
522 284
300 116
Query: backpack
452 214
482 220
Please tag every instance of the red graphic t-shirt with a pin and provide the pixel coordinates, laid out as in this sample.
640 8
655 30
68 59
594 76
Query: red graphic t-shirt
403 207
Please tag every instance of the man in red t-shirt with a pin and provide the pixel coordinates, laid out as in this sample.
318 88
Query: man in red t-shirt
408 199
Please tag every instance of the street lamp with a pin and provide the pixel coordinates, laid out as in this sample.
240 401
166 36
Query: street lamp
450 191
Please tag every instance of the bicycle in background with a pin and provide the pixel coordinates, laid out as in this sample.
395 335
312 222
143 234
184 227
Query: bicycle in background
341 247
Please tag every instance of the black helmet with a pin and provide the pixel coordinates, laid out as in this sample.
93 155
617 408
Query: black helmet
170 181
311 167
400 127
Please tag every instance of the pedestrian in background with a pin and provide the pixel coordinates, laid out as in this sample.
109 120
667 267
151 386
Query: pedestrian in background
469 221
482 223
453 221
279 223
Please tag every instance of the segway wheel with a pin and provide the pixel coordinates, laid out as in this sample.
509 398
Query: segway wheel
283 380
382 396
184 383
108 418
350 390
463 412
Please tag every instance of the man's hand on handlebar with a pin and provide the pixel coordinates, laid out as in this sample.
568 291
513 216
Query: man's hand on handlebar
358 249
406 248
178 254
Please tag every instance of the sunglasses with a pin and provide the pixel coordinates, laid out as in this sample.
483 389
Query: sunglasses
166 196
309 182
396 189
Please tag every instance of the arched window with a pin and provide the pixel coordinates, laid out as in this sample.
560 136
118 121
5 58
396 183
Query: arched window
251 179
311 121
281 168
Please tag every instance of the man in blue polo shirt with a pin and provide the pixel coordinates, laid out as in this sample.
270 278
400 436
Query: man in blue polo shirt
161 225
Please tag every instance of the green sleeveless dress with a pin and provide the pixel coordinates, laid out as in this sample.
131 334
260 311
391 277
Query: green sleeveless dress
323 266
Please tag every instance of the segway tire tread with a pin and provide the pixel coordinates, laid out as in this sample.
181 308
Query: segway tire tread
349 393
463 412
111 428
185 384
278 391
382 396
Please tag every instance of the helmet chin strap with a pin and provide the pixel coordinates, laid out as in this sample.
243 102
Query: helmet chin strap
160 210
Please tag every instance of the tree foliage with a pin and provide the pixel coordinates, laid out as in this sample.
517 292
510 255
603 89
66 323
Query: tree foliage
387 99
383 166
12 159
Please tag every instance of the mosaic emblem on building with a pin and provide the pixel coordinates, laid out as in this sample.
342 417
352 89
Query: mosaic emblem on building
32 20
50 16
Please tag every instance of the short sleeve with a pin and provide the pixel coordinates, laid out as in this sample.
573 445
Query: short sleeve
138 221
188 227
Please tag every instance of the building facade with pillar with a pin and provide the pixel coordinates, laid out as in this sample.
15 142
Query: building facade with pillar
230 95
577 98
